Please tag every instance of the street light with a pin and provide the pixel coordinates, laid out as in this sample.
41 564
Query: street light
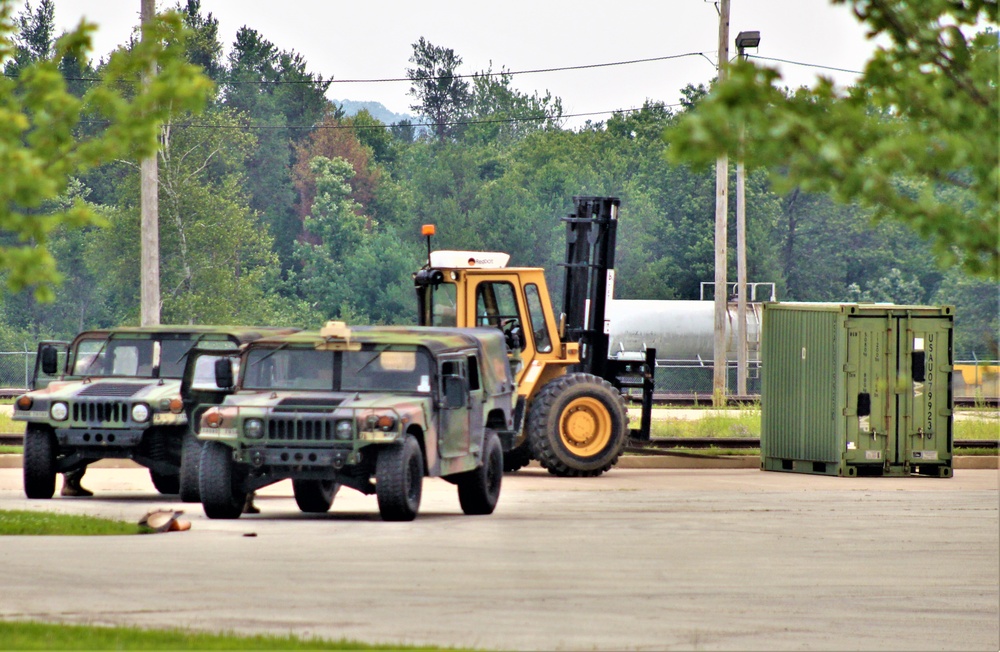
744 40
747 40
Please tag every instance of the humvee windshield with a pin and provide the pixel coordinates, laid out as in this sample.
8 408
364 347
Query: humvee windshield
131 357
378 368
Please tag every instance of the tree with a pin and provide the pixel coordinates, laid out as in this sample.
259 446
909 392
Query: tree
441 95
907 140
211 243
502 114
39 151
353 268
272 88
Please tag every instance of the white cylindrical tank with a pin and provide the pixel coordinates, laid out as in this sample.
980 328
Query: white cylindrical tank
680 331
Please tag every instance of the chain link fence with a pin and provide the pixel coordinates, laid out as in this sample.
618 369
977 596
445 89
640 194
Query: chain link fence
16 369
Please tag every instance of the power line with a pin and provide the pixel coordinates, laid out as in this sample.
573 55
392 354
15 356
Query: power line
194 125
807 65
406 79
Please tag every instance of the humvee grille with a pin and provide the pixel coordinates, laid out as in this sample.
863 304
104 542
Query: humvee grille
110 389
300 429
104 412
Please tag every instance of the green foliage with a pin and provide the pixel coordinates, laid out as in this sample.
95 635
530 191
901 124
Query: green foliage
40 148
977 315
286 109
353 269
211 243
907 140
500 114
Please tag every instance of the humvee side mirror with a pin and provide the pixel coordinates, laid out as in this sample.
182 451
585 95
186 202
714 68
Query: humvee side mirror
456 389
50 360
223 373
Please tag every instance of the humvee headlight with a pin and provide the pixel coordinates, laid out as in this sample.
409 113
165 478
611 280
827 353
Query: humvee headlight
59 411
344 430
140 412
24 402
383 422
253 428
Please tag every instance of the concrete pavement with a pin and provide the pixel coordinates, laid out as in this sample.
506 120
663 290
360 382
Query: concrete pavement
643 559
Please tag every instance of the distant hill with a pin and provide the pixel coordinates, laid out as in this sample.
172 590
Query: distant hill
378 111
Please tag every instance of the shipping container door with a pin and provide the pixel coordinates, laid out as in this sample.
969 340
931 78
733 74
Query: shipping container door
871 405
925 366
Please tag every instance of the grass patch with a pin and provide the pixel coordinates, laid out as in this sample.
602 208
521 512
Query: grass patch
43 636
745 423
11 450
29 522
10 427
986 428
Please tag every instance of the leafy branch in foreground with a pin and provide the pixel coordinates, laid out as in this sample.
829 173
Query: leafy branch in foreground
915 138
42 144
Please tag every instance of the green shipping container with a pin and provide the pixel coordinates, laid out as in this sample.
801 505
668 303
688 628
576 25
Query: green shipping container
856 389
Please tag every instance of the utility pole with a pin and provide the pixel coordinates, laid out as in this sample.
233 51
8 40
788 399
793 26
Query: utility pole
743 40
149 202
721 208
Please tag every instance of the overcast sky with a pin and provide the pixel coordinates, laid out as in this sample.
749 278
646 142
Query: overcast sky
373 40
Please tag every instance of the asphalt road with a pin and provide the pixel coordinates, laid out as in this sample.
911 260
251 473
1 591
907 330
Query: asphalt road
644 559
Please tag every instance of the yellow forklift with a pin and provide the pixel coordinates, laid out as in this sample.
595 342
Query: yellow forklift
570 414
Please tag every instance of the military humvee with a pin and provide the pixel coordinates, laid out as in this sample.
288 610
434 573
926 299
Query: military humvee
346 406
116 394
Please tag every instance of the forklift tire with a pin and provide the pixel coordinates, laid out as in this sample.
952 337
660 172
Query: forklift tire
517 457
578 425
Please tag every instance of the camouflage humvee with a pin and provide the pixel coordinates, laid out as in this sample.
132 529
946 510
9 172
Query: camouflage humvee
117 394
344 406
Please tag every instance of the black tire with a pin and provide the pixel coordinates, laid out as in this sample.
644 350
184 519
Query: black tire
190 465
165 484
315 496
578 425
222 495
39 463
479 490
517 457
399 476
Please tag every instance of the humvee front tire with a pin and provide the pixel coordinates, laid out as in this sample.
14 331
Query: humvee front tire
221 490
39 463
578 425
399 476
314 496
479 489
165 484
190 462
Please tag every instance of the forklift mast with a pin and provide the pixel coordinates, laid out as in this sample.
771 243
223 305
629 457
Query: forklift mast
591 232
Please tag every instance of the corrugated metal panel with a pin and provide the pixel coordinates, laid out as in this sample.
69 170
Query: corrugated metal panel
856 388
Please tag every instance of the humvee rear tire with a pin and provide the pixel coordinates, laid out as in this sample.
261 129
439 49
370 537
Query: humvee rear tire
190 463
399 476
220 485
315 496
479 489
517 457
165 484
39 463
578 425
